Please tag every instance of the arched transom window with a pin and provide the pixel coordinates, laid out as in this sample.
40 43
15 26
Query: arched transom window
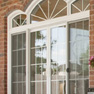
48 48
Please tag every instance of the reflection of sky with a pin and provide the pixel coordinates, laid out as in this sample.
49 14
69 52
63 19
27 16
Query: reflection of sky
58 52
78 39
79 43
42 40
58 44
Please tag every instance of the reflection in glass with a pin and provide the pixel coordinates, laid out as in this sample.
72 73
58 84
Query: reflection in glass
20 90
78 86
38 62
48 9
38 88
20 41
24 57
14 75
58 60
24 88
14 59
58 87
80 5
79 55
20 57
15 88
38 38
20 74
18 63
14 42
19 20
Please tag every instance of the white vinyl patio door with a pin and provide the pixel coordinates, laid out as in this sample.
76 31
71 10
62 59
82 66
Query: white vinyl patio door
48 60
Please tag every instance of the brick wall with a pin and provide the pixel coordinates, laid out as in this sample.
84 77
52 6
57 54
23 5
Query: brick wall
91 77
6 7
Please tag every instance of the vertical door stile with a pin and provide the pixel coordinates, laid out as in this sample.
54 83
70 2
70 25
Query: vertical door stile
67 59
48 61
27 62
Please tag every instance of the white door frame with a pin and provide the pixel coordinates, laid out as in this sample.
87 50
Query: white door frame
39 25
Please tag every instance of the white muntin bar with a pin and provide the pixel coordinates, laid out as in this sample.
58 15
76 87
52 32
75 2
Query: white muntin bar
48 62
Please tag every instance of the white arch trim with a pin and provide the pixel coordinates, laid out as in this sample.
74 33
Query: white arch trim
30 8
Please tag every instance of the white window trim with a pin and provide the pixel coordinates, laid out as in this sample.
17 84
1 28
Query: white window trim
53 22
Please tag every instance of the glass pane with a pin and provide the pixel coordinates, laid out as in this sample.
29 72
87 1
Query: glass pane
79 53
14 58
44 87
32 56
37 15
72 32
58 35
38 41
20 74
78 87
85 5
60 7
16 21
20 57
58 60
36 88
14 74
58 53
24 40
23 17
24 73
24 57
74 10
38 72
32 39
78 4
79 30
33 88
48 9
86 30
38 56
24 88
18 63
40 38
15 88
44 54
14 42
32 73
62 87
20 91
19 20
53 87
44 67
20 43
39 89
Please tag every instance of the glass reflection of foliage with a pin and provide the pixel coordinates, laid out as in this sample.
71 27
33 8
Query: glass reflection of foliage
54 68
84 61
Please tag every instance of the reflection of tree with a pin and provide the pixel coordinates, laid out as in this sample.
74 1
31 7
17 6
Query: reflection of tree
41 59
84 61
